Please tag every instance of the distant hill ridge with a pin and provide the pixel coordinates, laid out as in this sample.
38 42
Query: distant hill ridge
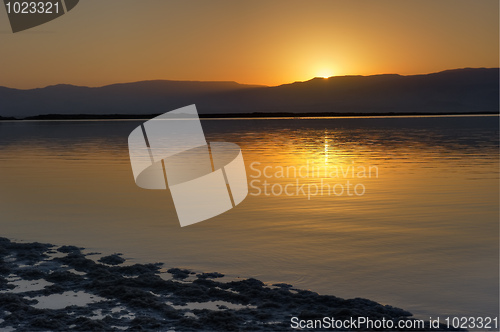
451 91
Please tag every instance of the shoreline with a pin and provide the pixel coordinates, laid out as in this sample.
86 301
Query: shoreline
48 287
254 115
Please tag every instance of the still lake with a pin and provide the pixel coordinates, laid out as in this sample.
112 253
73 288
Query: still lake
420 233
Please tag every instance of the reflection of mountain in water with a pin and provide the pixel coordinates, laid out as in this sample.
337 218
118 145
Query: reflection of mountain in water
475 134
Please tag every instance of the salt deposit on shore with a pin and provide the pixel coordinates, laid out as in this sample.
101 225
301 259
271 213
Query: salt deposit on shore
44 287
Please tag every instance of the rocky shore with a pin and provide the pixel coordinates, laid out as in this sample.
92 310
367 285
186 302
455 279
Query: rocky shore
49 288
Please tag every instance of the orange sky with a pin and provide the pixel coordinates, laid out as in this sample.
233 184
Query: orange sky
258 42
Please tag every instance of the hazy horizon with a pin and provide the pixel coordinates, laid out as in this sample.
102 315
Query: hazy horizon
245 83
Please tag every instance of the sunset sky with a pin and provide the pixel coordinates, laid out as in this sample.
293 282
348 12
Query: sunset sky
266 42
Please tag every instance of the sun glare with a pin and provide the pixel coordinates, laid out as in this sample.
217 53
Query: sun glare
325 73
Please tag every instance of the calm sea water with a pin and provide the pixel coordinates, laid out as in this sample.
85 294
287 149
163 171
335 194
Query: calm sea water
421 233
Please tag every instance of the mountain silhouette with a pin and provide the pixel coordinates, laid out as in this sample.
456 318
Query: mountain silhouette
466 90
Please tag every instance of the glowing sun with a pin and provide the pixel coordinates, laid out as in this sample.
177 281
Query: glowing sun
325 73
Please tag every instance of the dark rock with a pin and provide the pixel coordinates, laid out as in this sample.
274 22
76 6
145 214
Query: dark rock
179 273
31 274
143 323
69 249
212 275
138 269
63 277
114 259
